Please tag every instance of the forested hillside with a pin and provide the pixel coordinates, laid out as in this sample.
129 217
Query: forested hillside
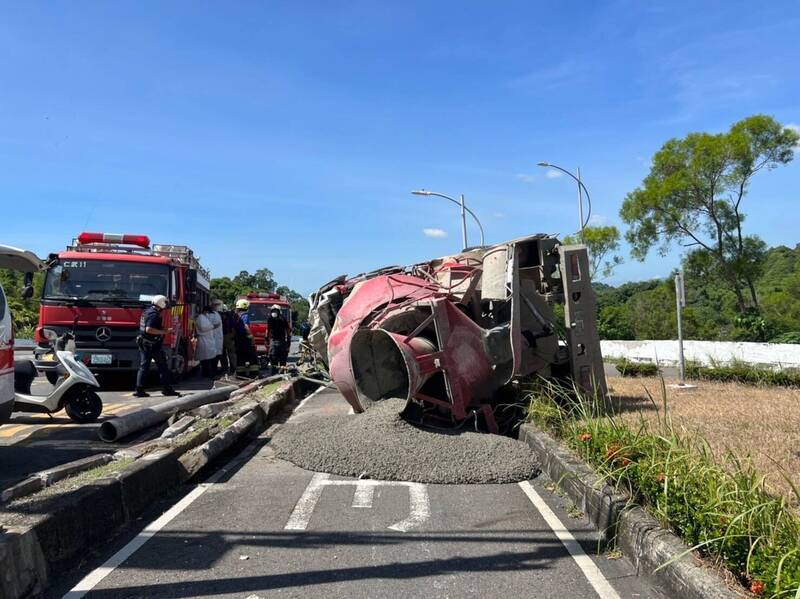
646 309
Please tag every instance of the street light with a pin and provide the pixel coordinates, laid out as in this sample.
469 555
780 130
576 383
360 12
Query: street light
581 187
464 209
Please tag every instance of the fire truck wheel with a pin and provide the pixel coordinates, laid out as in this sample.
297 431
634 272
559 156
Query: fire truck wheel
179 364
85 406
52 377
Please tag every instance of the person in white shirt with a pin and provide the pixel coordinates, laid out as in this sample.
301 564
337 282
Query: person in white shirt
206 349
219 337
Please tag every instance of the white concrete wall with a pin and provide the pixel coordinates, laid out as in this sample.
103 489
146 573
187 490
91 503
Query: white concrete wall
778 355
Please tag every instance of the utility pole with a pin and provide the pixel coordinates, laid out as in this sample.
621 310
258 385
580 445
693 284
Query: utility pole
680 303
463 223
580 203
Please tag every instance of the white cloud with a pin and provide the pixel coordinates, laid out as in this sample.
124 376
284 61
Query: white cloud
435 233
795 127
551 174
526 178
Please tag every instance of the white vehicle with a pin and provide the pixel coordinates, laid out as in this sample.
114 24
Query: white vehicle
27 262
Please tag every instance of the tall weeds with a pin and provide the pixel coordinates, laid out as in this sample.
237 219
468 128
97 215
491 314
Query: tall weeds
720 507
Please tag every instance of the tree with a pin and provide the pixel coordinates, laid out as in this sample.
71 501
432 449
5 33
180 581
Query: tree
694 192
600 242
261 280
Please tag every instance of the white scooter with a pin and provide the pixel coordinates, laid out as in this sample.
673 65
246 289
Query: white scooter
74 391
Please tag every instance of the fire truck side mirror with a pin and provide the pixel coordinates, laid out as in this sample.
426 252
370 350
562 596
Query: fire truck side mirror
27 289
191 284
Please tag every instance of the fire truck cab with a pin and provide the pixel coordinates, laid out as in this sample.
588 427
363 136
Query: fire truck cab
258 313
101 283
22 260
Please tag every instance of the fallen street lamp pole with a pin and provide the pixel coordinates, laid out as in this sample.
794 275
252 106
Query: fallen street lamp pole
464 210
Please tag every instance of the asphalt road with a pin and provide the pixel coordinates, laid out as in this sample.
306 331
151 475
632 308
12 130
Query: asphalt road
33 442
267 528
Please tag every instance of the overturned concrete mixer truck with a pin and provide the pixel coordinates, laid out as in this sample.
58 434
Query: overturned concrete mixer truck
450 335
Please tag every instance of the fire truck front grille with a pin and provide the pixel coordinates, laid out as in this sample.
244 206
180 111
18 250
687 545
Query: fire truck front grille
105 337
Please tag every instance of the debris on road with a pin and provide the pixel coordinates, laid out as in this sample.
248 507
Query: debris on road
448 335
381 445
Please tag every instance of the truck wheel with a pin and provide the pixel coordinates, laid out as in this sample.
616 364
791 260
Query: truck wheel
179 362
52 377
84 407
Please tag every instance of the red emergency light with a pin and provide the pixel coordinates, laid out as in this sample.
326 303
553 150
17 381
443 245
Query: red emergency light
139 240
262 295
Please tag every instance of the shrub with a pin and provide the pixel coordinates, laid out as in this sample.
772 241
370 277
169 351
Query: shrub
719 507
790 337
744 373
629 368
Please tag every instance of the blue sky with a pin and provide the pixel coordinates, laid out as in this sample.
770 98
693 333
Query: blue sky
288 134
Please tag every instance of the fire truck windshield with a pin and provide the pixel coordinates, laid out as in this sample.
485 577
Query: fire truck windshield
259 313
105 281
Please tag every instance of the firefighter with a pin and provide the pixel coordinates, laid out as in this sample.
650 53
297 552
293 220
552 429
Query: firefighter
247 358
150 342
279 338
230 321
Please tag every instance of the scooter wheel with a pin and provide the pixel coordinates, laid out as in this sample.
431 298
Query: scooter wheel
84 407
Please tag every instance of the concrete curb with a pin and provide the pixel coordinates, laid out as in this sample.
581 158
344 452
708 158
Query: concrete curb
640 536
256 417
40 480
51 534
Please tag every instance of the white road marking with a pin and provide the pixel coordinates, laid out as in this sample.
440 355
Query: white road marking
420 510
301 514
590 570
302 403
362 497
94 577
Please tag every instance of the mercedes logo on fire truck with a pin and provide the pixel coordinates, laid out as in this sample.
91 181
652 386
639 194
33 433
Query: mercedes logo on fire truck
103 334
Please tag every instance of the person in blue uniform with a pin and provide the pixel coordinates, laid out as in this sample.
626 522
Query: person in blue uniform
151 347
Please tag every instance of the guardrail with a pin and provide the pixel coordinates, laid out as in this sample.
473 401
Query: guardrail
707 353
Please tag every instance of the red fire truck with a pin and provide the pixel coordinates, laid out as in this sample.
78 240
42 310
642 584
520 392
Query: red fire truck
101 283
260 304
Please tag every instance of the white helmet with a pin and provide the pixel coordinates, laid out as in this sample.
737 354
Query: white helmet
275 307
160 301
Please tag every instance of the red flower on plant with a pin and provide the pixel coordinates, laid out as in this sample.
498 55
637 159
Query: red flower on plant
626 461
757 587
585 437
612 451
661 477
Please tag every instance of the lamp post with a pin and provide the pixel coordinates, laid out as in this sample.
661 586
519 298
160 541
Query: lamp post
581 190
464 211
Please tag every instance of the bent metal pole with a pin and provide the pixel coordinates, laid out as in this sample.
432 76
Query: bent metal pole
120 427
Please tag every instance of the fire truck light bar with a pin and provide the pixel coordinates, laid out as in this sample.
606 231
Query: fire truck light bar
140 240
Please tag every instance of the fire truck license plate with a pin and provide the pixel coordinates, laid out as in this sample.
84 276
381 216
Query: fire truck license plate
102 359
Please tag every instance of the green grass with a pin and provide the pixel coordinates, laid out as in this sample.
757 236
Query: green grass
629 368
721 508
